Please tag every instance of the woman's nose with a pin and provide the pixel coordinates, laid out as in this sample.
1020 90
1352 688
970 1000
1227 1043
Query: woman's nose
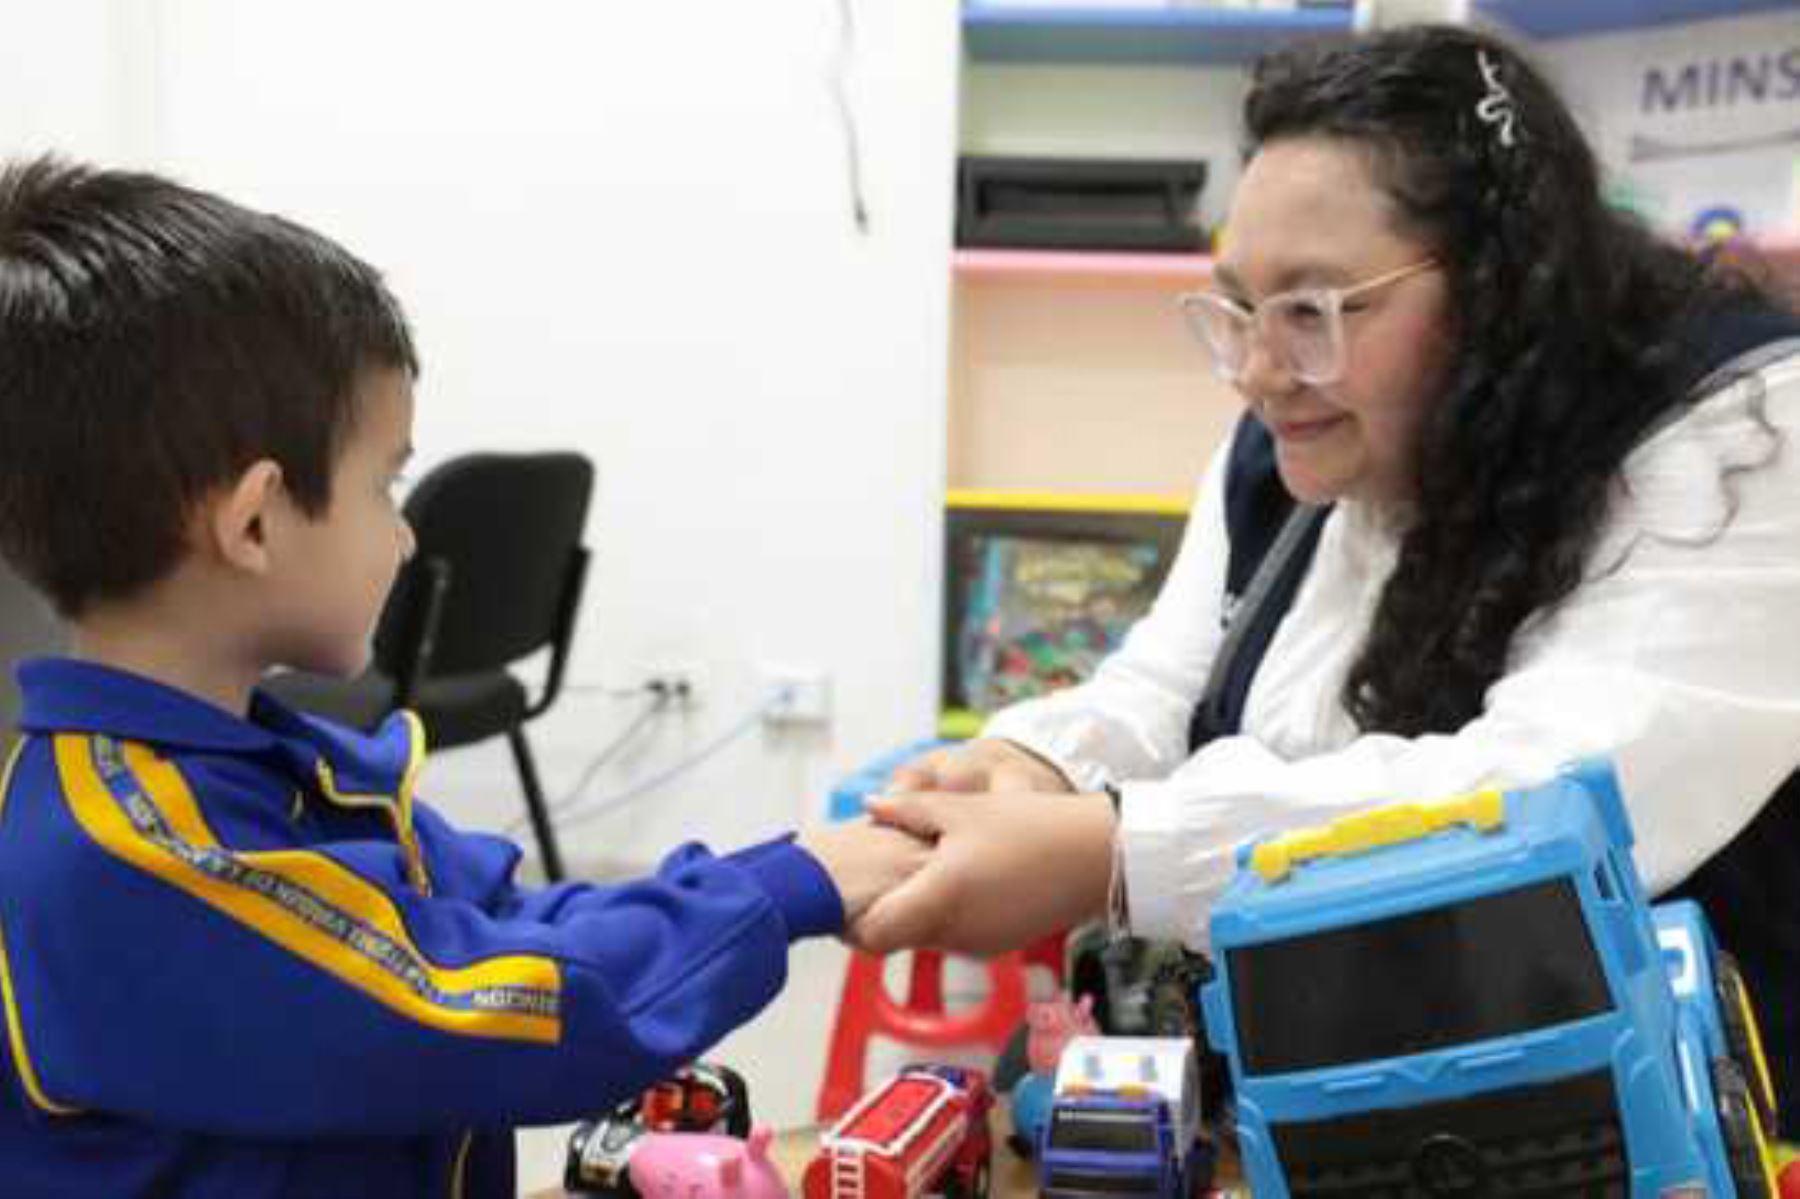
1265 373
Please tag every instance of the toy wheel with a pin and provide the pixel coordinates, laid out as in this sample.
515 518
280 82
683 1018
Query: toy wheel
1174 1004
739 1121
1742 1038
1752 1160
1171 1013
573 1180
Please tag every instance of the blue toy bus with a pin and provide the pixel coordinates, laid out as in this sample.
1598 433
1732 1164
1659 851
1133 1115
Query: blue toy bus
1474 997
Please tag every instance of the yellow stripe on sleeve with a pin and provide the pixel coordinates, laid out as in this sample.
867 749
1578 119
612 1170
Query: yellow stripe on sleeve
6 772
138 808
15 1027
15 1037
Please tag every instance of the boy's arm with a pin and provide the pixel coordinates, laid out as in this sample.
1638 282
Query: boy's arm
305 992
860 861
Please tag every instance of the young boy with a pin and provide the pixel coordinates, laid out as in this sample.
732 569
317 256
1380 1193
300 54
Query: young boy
236 957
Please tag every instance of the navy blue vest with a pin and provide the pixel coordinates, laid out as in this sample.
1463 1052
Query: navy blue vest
1750 889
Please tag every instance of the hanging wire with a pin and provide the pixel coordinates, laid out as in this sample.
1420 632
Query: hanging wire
840 90
659 700
614 803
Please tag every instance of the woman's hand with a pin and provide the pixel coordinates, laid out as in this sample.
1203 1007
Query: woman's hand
987 764
1008 868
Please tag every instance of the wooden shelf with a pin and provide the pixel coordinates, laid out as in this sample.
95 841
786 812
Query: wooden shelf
1552 19
1173 34
1085 385
1184 270
1115 502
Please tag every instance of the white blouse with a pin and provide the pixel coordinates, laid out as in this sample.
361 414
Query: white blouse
1679 658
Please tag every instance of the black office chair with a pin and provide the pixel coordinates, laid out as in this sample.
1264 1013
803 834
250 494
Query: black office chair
498 576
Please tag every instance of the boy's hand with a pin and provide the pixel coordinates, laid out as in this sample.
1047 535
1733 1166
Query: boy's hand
1006 870
864 860
987 764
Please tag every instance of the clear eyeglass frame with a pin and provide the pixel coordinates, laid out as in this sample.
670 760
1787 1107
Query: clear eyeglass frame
1302 329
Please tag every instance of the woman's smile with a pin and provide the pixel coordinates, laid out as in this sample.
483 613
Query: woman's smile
1305 430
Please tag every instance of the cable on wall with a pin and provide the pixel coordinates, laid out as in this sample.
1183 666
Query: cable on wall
780 697
659 701
840 91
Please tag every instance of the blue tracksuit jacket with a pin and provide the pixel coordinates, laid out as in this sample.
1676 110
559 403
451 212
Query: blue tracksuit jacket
239 961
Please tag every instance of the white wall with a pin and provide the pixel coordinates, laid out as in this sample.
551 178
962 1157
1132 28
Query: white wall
627 228
67 81
73 78
1695 117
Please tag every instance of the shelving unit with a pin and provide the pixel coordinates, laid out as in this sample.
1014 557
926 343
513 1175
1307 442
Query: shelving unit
1069 501
1071 371
1082 384
1193 35
1184 270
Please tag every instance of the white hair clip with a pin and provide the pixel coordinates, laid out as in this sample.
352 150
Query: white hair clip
1496 107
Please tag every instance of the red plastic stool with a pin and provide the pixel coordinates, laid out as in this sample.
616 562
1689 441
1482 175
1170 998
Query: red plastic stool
866 1010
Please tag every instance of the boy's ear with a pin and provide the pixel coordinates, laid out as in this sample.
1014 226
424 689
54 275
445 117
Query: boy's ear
238 522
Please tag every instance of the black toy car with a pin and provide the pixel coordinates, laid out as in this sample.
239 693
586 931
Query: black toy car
703 1097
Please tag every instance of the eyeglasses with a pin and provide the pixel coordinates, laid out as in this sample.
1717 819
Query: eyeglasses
1302 330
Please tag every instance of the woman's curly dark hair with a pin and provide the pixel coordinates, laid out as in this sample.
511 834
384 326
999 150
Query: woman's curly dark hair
1569 317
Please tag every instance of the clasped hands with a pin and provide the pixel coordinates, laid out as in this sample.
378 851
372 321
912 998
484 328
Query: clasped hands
979 849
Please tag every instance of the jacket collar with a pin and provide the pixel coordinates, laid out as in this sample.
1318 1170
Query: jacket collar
71 696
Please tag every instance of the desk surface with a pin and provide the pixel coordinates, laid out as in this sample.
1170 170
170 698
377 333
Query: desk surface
1013 1177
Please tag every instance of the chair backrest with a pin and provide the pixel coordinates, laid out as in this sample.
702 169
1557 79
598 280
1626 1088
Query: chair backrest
506 530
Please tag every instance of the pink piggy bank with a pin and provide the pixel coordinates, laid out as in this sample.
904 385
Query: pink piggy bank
1052 1023
698 1165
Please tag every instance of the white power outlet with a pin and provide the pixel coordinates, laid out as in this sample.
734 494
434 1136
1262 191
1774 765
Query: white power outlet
678 682
802 695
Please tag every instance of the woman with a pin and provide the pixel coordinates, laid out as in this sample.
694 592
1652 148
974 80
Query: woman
1549 536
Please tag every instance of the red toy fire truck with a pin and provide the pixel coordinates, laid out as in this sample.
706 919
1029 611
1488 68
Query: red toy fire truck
923 1131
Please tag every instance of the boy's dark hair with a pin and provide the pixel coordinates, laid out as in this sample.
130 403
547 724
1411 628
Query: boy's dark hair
155 341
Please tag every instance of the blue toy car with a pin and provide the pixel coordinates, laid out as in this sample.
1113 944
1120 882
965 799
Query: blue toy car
1125 1120
1474 997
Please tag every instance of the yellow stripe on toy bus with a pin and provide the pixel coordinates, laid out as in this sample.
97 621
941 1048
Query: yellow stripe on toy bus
1394 824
